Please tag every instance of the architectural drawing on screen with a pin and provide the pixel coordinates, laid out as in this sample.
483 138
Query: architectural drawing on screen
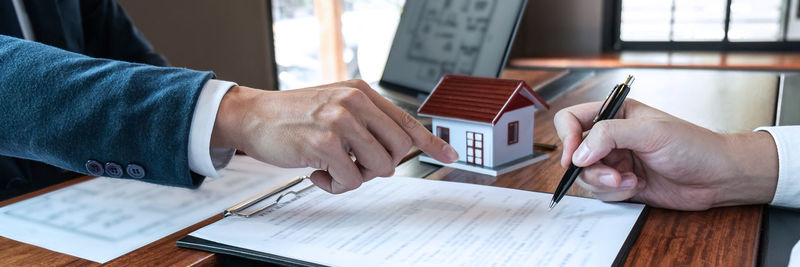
448 37
488 121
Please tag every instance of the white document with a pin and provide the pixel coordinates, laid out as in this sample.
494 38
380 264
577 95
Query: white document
416 222
105 218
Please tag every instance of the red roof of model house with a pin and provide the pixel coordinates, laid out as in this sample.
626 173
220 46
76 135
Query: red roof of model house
479 99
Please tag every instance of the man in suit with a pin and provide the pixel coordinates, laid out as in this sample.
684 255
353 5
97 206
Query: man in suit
81 89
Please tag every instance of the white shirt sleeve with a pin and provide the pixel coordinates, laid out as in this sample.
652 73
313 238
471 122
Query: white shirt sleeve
787 194
203 159
787 139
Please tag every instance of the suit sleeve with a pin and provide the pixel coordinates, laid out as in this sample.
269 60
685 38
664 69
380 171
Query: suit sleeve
67 110
110 33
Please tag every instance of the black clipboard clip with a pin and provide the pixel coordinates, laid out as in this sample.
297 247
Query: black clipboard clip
239 209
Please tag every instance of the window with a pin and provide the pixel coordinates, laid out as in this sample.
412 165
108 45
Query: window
513 132
474 148
679 20
761 20
702 25
322 41
443 133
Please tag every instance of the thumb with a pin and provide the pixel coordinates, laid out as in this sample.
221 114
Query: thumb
608 135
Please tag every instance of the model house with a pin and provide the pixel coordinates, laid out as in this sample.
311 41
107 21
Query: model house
489 121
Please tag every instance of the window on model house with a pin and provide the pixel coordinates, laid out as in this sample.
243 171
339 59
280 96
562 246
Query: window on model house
443 133
513 132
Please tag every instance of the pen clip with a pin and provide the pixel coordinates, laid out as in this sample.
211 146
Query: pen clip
238 209
605 103
614 94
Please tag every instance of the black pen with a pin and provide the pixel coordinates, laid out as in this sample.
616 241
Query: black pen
607 111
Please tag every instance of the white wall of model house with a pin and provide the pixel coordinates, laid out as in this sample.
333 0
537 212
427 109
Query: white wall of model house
458 136
496 150
503 152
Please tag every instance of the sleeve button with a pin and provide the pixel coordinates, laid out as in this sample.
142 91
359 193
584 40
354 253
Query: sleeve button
113 170
94 168
135 171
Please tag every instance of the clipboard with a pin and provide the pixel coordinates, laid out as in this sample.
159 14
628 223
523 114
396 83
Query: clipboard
197 243
278 198
241 210
192 242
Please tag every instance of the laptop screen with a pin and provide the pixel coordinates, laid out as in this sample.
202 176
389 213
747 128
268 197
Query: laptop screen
438 37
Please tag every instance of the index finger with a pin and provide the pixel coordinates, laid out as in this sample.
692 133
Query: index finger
421 137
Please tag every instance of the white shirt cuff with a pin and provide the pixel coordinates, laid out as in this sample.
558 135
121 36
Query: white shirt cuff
787 139
794 258
203 159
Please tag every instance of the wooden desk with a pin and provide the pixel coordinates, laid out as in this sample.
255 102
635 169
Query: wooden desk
718 237
685 60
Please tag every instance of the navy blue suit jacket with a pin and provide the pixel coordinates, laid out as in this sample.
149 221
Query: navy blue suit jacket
79 94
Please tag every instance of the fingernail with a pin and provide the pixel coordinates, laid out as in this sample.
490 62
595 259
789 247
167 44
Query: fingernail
581 154
608 180
451 153
336 187
627 182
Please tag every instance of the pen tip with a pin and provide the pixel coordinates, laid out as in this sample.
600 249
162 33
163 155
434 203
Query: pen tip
552 204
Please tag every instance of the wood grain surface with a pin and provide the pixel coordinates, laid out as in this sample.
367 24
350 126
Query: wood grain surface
717 237
683 60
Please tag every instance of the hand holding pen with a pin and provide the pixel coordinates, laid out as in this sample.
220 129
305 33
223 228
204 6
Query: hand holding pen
649 156
607 111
